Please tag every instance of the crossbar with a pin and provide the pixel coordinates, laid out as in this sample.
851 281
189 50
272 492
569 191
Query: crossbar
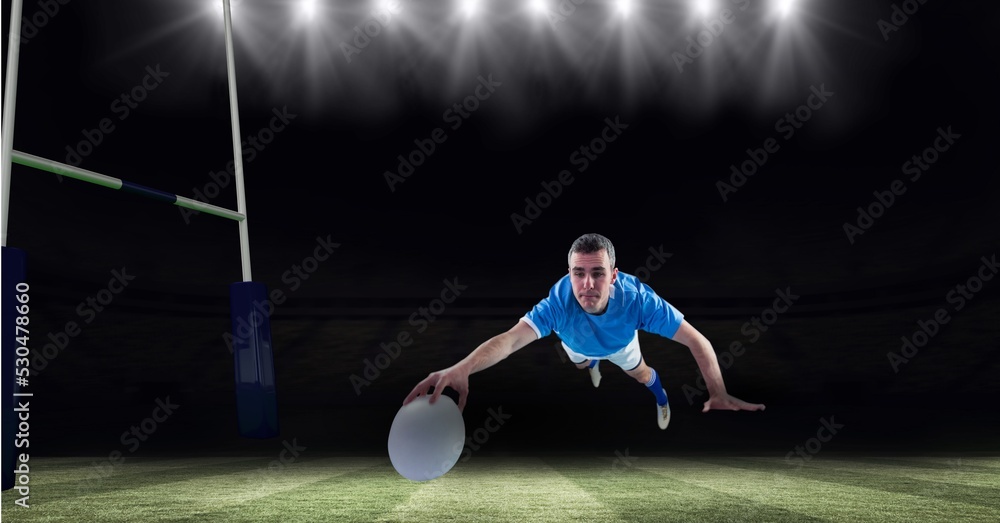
62 169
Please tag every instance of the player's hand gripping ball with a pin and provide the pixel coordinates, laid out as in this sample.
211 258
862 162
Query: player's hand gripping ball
426 440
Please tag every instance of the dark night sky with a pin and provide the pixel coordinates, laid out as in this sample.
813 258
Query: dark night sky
323 176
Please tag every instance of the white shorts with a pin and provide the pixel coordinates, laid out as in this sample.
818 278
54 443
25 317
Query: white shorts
627 358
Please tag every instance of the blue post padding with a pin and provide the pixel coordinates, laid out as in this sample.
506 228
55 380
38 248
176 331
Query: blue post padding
14 272
256 396
142 190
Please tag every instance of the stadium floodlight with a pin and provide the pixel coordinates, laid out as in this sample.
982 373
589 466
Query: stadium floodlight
624 7
307 8
537 7
704 8
469 7
784 7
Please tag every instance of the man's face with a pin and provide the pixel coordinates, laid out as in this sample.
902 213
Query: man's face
592 277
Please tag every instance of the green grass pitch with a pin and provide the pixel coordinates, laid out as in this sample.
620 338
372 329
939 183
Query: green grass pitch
615 488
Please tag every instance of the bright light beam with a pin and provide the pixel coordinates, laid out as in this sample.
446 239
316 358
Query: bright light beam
785 7
704 8
470 8
217 5
307 8
537 7
624 8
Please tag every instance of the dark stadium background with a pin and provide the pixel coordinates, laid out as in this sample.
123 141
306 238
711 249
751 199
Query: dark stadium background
322 176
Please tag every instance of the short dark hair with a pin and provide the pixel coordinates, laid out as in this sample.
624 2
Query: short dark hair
591 243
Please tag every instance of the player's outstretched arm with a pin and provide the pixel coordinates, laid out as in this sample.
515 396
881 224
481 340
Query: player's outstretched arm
489 353
704 354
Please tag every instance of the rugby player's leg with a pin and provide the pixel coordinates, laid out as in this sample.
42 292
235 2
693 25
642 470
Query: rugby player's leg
647 376
590 364
631 361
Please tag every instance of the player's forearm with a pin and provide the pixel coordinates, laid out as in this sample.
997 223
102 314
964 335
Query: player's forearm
489 353
704 354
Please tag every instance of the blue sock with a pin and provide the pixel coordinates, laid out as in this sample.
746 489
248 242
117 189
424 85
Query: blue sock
654 386
593 363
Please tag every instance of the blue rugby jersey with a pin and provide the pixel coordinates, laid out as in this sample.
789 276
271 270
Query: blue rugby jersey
632 306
